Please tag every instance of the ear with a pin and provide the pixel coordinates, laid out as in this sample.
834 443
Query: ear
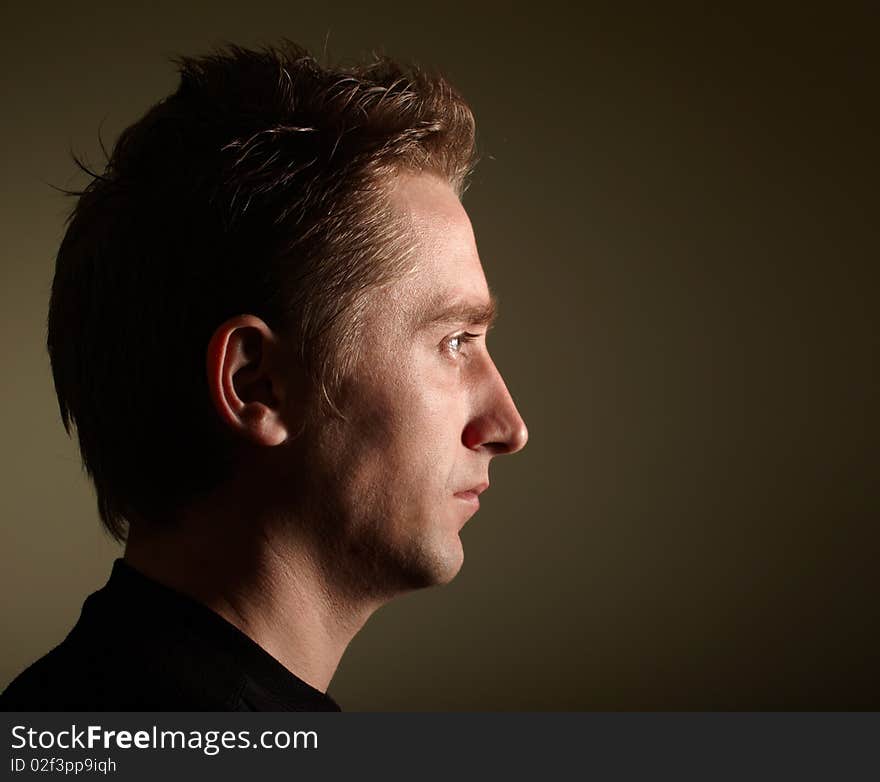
245 381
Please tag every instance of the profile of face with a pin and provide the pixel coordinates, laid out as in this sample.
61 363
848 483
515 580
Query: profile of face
425 411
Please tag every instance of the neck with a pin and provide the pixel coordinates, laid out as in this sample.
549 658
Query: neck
273 589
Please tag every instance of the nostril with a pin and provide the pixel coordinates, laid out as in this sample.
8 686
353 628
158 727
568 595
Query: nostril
515 442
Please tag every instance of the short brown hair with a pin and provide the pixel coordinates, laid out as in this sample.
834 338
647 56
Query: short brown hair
259 186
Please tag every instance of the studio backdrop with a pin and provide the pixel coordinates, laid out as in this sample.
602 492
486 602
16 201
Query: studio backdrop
677 212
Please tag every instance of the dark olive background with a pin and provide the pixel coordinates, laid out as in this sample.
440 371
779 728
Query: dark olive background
678 211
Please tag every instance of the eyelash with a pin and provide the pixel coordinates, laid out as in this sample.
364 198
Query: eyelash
462 338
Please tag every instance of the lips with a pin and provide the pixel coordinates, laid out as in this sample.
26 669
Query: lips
472 495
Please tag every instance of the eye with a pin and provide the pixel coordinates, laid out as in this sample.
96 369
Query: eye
455 343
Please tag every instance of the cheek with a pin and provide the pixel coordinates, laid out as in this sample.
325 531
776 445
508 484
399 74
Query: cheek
406 433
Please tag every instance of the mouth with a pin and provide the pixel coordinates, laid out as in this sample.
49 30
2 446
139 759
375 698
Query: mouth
469 496
472 495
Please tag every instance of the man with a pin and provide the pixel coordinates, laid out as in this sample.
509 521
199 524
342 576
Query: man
268 326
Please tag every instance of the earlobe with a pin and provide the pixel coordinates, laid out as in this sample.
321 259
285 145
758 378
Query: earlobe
262 424
242 385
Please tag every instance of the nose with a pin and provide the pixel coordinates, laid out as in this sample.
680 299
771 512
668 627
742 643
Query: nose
497 425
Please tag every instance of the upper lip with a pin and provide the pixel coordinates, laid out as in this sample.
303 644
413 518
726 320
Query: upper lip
478 489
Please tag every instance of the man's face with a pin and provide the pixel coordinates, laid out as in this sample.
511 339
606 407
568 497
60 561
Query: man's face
425 412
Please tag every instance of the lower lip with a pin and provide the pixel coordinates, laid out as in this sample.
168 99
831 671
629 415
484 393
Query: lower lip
470 497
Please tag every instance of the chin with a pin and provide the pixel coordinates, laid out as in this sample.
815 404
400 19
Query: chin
434 565
449 563
387 566
449 572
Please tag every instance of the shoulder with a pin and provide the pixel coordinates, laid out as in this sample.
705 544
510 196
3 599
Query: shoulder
96 676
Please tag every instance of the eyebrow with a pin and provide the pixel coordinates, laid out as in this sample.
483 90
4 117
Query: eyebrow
460 311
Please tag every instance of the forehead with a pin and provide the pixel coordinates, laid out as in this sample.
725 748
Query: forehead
445 265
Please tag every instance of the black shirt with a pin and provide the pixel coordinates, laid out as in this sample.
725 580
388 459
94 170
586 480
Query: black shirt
140 646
